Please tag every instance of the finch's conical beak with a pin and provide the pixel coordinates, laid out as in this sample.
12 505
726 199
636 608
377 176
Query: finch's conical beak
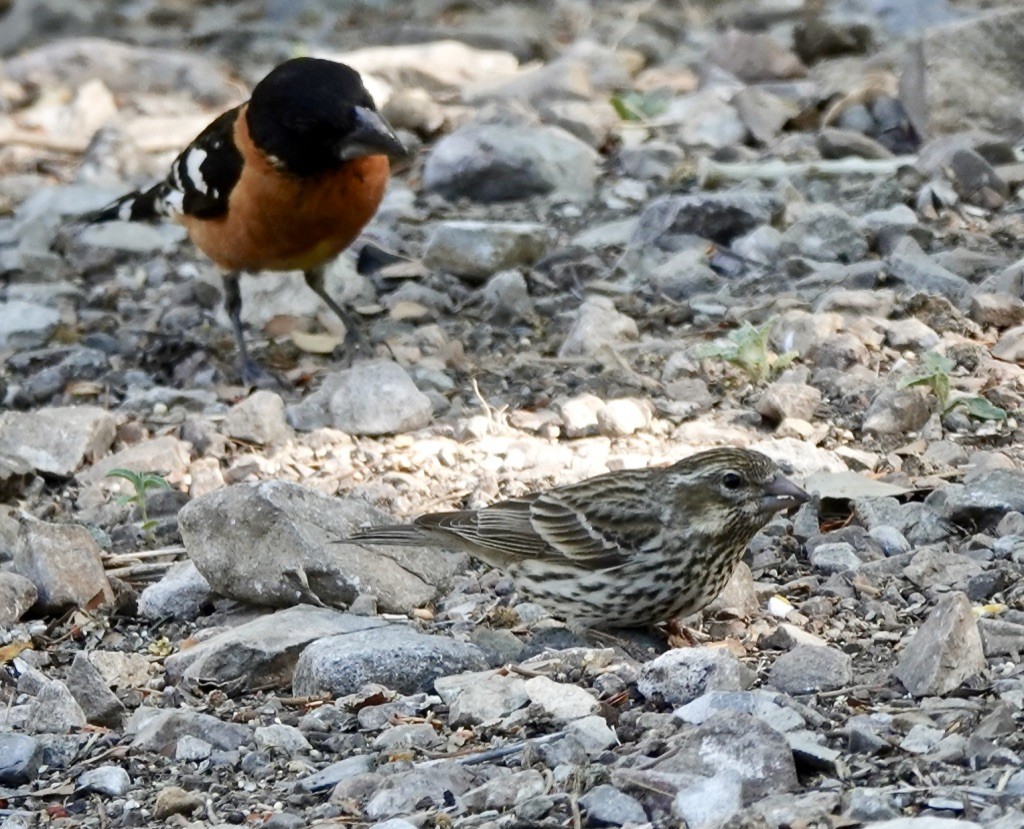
781 494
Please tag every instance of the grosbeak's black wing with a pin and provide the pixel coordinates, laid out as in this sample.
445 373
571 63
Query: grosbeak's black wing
199 183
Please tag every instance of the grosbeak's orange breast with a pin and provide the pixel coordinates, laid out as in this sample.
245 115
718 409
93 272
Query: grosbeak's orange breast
277 221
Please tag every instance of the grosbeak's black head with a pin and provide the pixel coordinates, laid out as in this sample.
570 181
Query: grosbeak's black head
312 115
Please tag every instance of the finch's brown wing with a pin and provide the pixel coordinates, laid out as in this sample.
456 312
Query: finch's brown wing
601 522
595 524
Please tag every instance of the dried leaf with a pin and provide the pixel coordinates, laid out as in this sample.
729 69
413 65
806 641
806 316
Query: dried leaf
8 652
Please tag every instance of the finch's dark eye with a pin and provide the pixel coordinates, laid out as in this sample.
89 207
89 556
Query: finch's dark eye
732 480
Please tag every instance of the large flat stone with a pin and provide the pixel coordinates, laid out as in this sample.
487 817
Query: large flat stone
264 651
277 543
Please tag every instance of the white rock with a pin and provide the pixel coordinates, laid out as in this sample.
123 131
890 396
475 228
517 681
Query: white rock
559 700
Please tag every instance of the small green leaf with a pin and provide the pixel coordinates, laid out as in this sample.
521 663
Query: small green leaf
154 482
130 475
980 408
638 106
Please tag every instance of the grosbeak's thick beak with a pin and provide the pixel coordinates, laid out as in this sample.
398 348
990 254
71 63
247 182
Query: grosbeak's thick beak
371 136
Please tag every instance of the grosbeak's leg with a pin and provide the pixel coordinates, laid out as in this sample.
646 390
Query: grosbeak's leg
252 373
315 280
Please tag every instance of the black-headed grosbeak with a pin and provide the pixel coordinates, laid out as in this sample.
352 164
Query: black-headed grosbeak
285 181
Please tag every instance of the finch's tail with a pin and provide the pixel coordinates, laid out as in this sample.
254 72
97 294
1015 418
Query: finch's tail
397 534
140 206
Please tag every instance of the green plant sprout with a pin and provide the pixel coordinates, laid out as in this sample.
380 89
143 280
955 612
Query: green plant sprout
747 348
638 106
933 374
142 483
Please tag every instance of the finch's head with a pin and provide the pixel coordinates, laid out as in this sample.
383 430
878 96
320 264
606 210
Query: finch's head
731 490
312 115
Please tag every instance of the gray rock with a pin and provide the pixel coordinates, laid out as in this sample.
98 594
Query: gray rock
560 701
705 119
508 295
921 739
891 540
165 455
279 548
911 266
651 160
124 69
481 697
159 729
180 594
477 249
55 440
763 113
898 217
760 704
26 324
809 668
332 775
809 751
498 162
598 326
504 791
946 650
1000 310
825 233
926 822
405 792
100 705
933 567
285 738
985 500
17 595
20 759
112 781
910 333
762 244
264 651
1001 638
258 418
398 737
720 217
781 400
711 802
54 710
966 73
802 331
754 57
132 237
593 733
840 351
377 397
63 562
919 523
192 750
835 557
395 656
865 804
741 743
607 806
897 412
683 674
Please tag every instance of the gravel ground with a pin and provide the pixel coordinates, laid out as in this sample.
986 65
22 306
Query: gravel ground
628 232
